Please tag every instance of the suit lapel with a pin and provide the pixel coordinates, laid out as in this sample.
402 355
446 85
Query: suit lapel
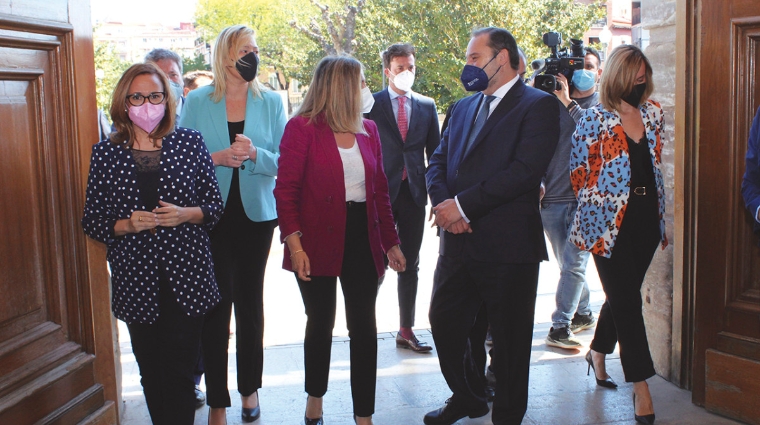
387 108
467 123
416 111
218 114
502 109
253 115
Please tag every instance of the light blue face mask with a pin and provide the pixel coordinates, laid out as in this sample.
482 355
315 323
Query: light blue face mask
583 79
177 89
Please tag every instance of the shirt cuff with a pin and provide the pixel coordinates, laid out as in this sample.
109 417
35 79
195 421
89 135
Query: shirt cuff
297 232
757 211
459 207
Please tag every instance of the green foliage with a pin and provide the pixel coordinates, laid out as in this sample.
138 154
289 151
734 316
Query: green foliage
439 30
108 69
196 63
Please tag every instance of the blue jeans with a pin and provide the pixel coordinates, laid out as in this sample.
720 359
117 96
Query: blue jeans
572 289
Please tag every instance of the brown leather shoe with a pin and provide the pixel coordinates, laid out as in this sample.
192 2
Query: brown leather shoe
412 344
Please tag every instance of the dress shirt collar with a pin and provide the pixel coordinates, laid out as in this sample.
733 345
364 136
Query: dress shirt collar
394 95
502 91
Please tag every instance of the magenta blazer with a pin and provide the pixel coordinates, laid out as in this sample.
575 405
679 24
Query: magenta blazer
311 195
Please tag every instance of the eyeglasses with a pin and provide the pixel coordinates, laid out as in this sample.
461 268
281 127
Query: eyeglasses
136 99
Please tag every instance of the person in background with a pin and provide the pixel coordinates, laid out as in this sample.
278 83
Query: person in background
171 64
336 221
558 204
192 80
156 235
408 127
195 79
615 172
484 181
242 126
751 179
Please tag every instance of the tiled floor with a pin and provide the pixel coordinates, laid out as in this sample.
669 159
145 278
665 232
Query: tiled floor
410 384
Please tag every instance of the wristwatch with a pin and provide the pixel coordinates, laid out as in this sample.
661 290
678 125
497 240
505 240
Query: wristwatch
572 105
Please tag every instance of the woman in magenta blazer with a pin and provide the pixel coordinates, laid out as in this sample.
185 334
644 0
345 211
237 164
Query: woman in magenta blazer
335 219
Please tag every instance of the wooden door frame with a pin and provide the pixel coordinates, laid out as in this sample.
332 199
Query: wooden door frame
685 208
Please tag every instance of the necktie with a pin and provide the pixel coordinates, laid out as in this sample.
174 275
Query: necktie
479 121
403 125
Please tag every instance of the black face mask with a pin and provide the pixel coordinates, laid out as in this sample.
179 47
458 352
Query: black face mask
247 66
634 97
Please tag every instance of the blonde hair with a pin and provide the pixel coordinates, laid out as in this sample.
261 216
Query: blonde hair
228 44
335 95
124 131
619 76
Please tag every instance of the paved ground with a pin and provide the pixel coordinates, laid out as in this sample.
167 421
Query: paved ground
410 384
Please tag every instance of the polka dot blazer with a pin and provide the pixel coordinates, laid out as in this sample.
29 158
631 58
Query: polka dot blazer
182 253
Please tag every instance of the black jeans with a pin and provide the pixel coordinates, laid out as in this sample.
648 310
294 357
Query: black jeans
240 248
166 352
620 319
410 224
358 279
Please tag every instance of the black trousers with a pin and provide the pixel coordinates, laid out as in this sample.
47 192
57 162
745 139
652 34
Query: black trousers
166 352
620 319
358 279
461 287
240 248
410 225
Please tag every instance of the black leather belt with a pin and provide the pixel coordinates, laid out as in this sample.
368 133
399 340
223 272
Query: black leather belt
640 190
354 204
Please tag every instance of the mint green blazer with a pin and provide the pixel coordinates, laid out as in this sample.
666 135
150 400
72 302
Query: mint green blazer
264 124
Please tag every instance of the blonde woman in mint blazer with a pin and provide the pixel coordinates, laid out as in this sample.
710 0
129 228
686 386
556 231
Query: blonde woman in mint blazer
242 126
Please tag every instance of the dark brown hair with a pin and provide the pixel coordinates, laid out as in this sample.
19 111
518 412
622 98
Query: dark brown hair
395 51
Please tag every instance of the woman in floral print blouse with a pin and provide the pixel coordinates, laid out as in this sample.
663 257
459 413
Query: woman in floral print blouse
615 169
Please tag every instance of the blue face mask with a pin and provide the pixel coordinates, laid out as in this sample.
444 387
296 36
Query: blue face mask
583 79
476 79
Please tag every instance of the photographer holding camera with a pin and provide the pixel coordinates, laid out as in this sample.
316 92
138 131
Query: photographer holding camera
558 205
583 94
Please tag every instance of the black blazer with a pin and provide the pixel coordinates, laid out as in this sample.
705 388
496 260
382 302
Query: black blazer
497 180
422 139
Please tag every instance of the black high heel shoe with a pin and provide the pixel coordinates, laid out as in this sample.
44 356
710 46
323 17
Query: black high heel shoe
250 414
309 421
646 419
606 383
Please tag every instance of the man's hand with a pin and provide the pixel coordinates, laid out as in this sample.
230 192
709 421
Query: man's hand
564 93
446 213
459 227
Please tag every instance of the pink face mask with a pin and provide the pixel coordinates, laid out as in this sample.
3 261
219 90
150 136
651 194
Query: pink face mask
147 116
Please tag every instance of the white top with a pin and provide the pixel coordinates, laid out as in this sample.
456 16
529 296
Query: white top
353 173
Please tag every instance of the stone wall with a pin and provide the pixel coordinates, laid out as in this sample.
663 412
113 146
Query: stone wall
659 18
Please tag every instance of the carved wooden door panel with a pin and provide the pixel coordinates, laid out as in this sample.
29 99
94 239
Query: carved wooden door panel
54 353
726 362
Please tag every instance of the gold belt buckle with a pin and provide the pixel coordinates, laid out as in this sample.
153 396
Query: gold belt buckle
640 190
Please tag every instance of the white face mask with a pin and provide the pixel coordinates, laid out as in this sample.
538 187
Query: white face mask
367 100
404 81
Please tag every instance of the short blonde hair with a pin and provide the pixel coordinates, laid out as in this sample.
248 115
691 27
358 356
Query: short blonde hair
335 95
228 43
124 131
619 76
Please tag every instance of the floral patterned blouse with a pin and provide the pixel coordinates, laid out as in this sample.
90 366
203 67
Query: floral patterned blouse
600 172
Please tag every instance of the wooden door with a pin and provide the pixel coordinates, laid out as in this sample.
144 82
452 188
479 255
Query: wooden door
56 345
723 257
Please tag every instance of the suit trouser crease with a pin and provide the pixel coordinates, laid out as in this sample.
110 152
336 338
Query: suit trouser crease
572 289
410 224
461 287
622 275
359 282
166 353
240 249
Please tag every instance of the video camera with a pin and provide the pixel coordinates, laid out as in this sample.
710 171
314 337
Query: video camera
560 62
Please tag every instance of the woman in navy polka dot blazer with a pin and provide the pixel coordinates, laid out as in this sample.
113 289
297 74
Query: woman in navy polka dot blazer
152 197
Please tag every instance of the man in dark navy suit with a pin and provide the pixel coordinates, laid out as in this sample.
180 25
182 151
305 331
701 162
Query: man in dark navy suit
408 126
484 181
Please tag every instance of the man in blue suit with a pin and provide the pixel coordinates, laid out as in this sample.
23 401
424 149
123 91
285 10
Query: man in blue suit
408 126
484 181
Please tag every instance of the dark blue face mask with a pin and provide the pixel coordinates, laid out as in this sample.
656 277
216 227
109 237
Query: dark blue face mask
474 78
